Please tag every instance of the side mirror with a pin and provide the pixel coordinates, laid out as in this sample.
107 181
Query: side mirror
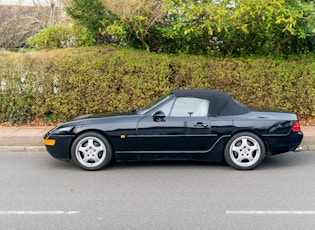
159 116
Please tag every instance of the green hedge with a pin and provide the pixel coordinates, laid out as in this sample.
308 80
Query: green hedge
55 86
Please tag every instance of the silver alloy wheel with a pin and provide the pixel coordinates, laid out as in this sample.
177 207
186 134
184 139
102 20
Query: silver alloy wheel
90 152
245 151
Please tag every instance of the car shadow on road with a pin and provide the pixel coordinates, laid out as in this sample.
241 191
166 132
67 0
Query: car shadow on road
285 160
165 164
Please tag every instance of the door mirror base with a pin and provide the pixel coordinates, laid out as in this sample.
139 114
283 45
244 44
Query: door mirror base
159 116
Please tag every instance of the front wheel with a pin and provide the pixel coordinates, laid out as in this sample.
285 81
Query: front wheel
91 151
244 151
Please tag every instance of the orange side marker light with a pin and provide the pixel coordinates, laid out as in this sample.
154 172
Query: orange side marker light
49 142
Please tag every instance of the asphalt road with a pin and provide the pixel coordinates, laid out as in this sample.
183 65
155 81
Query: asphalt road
39 192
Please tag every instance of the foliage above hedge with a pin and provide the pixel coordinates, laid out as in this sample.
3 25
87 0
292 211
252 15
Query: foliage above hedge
225 27
55 86
61 36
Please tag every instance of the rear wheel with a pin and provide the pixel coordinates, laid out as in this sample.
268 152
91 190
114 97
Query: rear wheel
91 151
244 151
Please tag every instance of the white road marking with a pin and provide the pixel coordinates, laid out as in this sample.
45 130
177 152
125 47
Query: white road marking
39 212
234 212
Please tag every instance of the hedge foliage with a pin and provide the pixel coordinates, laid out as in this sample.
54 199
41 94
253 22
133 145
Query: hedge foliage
61 36
55 86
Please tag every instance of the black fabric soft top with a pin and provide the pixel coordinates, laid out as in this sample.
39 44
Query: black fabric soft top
221 104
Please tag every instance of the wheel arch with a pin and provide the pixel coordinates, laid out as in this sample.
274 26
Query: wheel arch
241 156
95 131
252 132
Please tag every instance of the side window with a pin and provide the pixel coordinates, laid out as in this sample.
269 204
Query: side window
187 106
166 109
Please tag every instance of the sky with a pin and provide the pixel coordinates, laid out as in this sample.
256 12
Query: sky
23 2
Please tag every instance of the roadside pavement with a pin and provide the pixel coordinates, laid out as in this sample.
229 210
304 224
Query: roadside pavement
23 138
30 139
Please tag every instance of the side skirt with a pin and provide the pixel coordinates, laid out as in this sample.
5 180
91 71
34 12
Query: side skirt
215 154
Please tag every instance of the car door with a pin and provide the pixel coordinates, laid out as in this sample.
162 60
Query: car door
181 125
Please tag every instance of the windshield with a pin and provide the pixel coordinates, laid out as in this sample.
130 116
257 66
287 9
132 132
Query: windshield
154 104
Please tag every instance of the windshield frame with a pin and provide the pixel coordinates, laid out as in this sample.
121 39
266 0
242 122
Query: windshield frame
155 104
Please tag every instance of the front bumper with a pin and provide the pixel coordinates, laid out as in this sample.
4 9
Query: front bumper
61 149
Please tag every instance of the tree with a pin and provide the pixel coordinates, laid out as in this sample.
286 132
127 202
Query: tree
134 18
270 26
228 27
48 12
93 16
17 22
242 27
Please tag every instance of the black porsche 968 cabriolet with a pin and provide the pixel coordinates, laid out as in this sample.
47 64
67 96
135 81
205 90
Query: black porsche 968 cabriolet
201 124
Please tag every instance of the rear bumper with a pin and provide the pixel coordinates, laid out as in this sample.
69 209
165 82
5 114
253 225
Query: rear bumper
282 144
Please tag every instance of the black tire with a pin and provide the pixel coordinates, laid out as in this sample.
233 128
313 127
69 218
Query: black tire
244 151
91 151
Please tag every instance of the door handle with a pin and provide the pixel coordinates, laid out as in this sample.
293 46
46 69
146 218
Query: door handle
201 125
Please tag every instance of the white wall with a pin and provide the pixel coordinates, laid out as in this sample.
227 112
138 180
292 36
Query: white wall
24 2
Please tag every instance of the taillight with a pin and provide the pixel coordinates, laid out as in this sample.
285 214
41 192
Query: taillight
296 127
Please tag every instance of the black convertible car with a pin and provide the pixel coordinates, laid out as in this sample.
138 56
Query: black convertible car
202 125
